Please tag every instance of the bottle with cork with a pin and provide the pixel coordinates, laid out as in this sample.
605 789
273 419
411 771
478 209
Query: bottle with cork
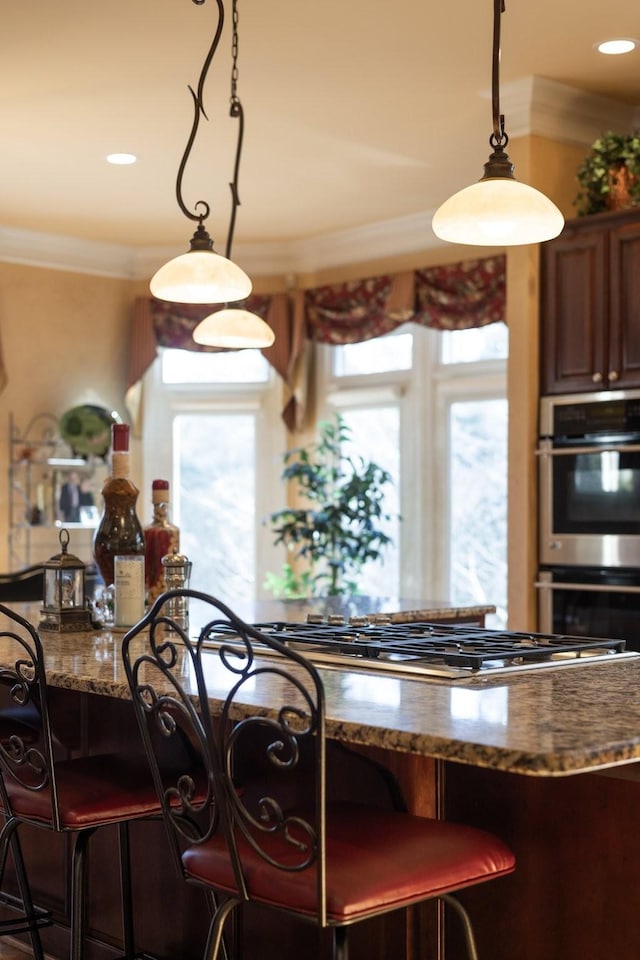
161 538
119 533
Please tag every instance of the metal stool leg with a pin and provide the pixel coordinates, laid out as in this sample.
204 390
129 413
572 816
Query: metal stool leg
215 939
78 894
25 895
339 943
126 894
466 924
33 917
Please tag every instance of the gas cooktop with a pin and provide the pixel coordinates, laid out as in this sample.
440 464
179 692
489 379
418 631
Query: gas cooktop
448 651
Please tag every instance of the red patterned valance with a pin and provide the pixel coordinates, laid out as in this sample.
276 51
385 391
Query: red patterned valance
452 297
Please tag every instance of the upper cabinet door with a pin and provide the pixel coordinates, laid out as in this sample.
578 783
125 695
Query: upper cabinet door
573 312
624 306
590 305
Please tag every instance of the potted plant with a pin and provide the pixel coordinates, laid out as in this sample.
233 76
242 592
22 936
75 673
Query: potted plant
339 528
609 176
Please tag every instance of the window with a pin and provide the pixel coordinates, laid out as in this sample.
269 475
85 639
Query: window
380 355
213 427
428 406
477 504
375 433
480 343
242 366
215 474
431 409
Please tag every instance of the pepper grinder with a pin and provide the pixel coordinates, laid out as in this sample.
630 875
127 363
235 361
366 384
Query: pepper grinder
177 571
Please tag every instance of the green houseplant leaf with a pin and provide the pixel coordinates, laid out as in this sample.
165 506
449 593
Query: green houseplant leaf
340 527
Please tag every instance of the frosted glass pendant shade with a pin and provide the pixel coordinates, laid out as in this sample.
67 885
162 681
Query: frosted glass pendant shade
497 211
234 328
200 276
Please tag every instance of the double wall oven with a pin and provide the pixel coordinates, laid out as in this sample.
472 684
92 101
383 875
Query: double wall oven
589 515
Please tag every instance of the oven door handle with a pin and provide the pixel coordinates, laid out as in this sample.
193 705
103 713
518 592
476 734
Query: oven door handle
572 451
588 587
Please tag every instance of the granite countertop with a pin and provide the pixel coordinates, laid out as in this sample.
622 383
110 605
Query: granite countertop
545 722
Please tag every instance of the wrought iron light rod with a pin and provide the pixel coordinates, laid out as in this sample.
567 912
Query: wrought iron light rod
201 275
497 210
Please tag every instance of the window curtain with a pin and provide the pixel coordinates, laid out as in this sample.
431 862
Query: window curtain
452 297
156 323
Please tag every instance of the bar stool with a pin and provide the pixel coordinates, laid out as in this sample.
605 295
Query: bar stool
17 722
63 795
287 847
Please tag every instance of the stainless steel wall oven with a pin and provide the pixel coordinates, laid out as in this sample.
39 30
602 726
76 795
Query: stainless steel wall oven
589 470
589 515
590 602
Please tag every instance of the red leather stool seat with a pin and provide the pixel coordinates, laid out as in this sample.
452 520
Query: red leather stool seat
376 860
92 791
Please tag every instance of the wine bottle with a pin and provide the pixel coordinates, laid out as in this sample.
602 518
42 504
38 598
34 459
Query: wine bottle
161 537
119 531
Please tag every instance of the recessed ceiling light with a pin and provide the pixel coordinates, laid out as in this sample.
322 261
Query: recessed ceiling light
614 47
121 159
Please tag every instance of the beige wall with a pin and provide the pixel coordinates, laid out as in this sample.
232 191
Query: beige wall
64 341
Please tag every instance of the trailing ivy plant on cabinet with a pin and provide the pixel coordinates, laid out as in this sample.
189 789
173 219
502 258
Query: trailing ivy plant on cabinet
590 305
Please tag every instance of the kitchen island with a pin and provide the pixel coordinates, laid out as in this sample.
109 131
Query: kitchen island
522 754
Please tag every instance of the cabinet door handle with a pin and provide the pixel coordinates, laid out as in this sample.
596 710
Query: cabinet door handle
613 375
597 378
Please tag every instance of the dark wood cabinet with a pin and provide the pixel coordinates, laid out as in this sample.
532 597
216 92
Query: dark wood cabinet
590 305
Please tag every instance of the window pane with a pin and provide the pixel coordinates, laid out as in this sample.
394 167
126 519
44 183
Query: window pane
236 366
391 352
376 437
479 343
215 503
478 504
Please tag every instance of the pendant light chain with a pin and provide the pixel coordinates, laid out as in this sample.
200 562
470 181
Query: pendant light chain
234 328
237 113
234 52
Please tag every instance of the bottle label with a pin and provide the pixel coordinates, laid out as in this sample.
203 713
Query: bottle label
129 589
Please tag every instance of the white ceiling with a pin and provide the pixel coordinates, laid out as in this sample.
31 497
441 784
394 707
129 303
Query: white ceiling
359 113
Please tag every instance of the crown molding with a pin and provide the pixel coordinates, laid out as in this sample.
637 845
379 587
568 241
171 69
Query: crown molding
47 251
54 252
541 107
377 240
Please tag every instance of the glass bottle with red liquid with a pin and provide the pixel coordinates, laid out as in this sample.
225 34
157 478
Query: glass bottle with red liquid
161 538
119 531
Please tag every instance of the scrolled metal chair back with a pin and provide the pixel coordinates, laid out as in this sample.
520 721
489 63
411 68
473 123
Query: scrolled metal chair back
256 712
26 746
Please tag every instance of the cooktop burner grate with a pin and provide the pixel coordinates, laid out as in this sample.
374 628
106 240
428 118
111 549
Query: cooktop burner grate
420 645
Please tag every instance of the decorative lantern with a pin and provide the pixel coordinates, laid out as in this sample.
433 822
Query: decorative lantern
64 609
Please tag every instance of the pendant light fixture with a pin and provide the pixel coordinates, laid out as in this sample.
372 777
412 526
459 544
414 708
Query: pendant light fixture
497 210
201 275
233 327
